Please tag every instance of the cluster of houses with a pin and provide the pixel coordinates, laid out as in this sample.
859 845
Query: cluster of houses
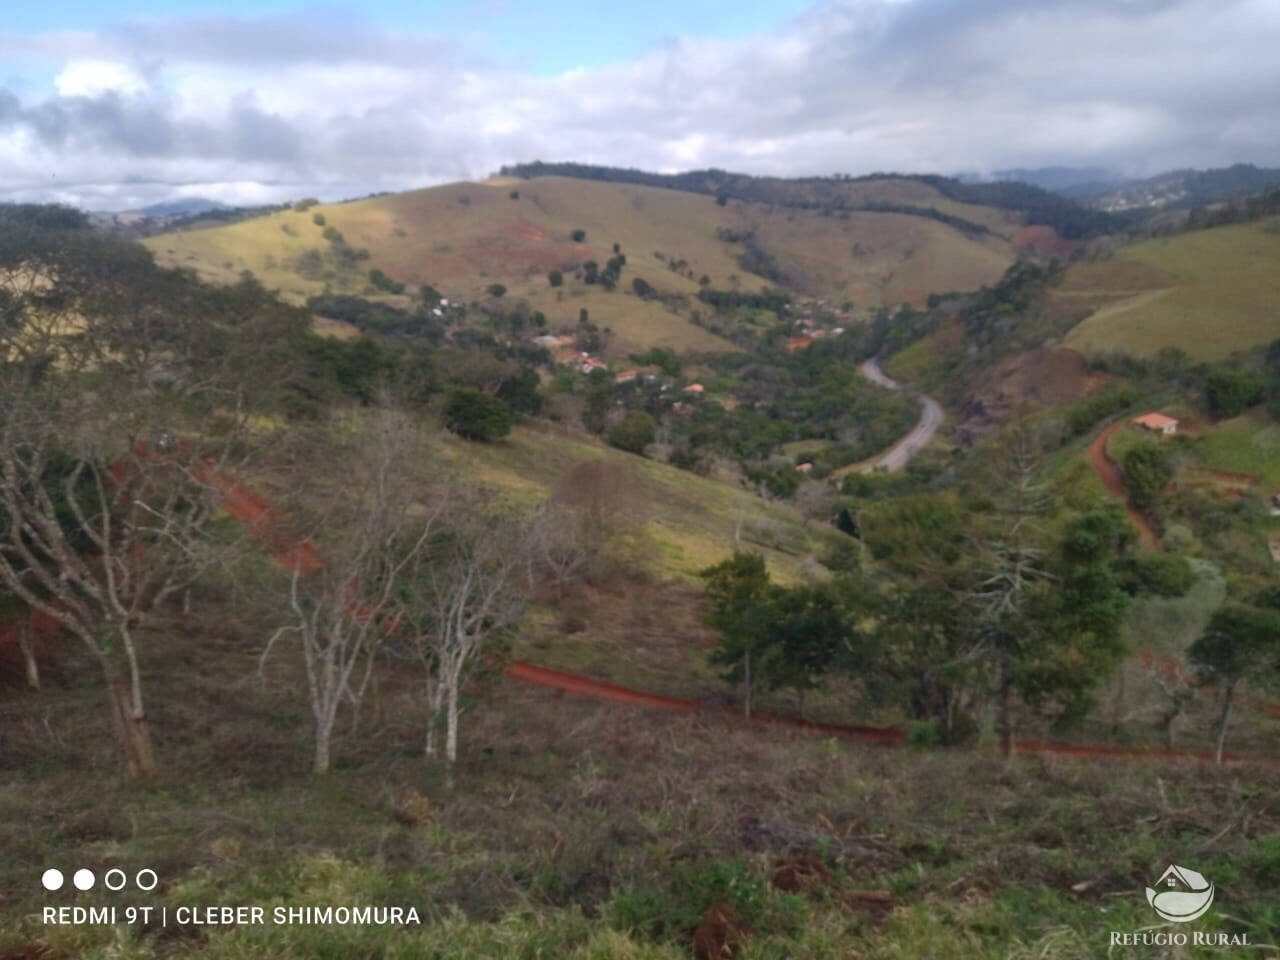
808 327
565 353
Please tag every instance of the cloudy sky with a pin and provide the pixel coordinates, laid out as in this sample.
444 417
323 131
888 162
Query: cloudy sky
112 105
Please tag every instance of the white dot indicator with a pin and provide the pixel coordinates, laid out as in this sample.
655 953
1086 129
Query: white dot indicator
83 879
51 879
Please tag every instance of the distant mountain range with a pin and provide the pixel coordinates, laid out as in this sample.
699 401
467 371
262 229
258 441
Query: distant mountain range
1170 191
181 206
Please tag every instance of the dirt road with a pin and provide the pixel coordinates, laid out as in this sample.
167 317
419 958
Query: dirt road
1113 480
607 692
900 454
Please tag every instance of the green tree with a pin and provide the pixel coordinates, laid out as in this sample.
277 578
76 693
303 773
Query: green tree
496 290
1240 644
555 278
318 219
633 432
1228 393
1147 471
579 235
811 630
475 415
741 599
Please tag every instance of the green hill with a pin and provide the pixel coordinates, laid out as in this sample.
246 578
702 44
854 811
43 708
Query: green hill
1208 292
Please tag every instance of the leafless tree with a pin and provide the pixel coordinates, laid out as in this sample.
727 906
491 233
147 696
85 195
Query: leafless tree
468 589
600 497
372 525
122 407
104 518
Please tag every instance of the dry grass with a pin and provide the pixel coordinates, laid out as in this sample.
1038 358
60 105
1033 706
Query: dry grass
562 804
465 236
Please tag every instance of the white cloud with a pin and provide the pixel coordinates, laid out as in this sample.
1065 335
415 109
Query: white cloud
277 106
92 78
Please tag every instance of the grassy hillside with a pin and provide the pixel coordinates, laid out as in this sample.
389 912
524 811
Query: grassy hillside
689 521
1208 292
463 237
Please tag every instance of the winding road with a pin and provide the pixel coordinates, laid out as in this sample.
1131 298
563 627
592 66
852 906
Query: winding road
911 443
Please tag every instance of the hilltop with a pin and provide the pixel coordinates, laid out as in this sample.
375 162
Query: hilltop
866 243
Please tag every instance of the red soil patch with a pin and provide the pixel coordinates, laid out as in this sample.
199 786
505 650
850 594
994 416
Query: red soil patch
529 232
615 693
720 935
1113 480
1043 240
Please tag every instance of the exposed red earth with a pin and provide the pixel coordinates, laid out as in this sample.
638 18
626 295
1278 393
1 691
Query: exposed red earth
615 693
1113 480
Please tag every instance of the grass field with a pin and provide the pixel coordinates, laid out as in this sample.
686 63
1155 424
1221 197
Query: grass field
690 521
463 237
1208 292
876 259
1248 444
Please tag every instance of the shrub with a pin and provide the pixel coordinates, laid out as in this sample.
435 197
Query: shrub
578 235
1164 575
555 278
496 289
318 219
475 415
1147 470
633 432
1228 393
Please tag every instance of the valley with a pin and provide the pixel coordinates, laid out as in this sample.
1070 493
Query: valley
607 563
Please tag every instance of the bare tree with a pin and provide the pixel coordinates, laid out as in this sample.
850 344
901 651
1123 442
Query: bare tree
372 528
467 590
122 404
101 526
600 497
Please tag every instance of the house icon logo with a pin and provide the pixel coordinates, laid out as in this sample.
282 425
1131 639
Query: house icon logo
1181 895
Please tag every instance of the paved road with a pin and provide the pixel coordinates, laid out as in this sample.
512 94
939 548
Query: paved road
912 443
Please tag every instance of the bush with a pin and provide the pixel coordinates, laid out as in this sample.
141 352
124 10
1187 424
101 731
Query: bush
578 236
555 278
1163 575
333 235
496 289
634 432
1147 470
475 415
1228 393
